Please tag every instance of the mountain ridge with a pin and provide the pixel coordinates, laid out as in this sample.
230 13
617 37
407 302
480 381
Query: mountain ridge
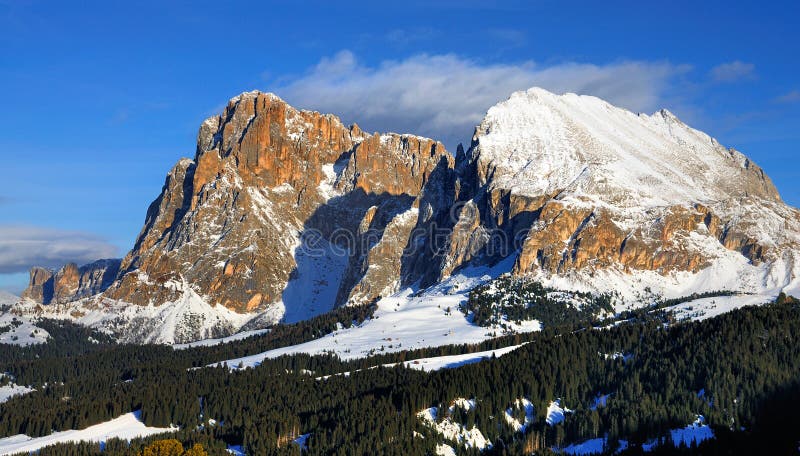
286 213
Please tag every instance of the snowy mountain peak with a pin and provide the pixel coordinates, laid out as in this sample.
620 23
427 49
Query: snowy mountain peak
583 148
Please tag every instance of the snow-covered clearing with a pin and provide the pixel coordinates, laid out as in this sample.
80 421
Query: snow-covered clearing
453 361
127 426
520 404
15 330
591 446
453 431
405 321
694 433
11 390
445 362
704 308
221 340
556 413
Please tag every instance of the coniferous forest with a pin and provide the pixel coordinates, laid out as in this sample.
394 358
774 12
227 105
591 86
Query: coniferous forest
739 371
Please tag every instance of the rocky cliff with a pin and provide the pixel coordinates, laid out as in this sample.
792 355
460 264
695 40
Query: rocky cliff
70 283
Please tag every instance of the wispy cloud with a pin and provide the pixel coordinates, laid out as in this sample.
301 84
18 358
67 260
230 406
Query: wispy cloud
733 71
406 36
24 246
445 96
789 97
508 36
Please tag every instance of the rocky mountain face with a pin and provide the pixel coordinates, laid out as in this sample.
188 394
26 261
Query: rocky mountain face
70 283
285 213
582 188
282 214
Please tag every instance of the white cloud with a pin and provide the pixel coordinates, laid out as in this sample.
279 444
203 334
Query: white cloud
789 97
24 246
733 71
445 96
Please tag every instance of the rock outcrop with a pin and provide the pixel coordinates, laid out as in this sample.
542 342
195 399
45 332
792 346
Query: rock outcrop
70 283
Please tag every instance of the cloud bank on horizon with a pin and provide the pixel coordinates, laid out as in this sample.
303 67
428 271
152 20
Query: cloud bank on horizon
24 246
446 96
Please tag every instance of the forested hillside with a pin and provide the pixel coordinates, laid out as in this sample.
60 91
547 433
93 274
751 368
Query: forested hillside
631 383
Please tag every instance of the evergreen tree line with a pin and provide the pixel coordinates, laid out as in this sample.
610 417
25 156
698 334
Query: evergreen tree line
745 361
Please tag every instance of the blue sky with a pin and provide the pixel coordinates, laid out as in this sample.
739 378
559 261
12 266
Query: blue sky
100 99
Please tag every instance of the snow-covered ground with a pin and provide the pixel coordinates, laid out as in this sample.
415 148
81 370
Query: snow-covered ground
11 390
520 404
445 450
591 446
694 433
600 401
15 330
312 289
452 361
445 362
127 426
556 413
701 309
406 321
452 430
221 340
186 318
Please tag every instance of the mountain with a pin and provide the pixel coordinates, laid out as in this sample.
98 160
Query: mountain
284 214
70 283
596 196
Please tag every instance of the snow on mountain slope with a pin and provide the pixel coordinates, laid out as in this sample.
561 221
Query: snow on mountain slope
405 321
10 390
16 330
188 318
441 362
623 202
585 148
7 299
567 190
312 288
127 426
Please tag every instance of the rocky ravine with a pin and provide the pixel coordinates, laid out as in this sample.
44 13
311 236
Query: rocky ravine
284 214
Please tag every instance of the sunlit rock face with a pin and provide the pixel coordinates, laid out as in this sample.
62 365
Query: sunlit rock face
576 185
70 283
266 177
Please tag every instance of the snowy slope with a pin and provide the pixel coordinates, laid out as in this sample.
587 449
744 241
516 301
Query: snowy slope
15 330
221 340
188 318
127 426
444 362
7 299
406 322
582 153
11 390
541 143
